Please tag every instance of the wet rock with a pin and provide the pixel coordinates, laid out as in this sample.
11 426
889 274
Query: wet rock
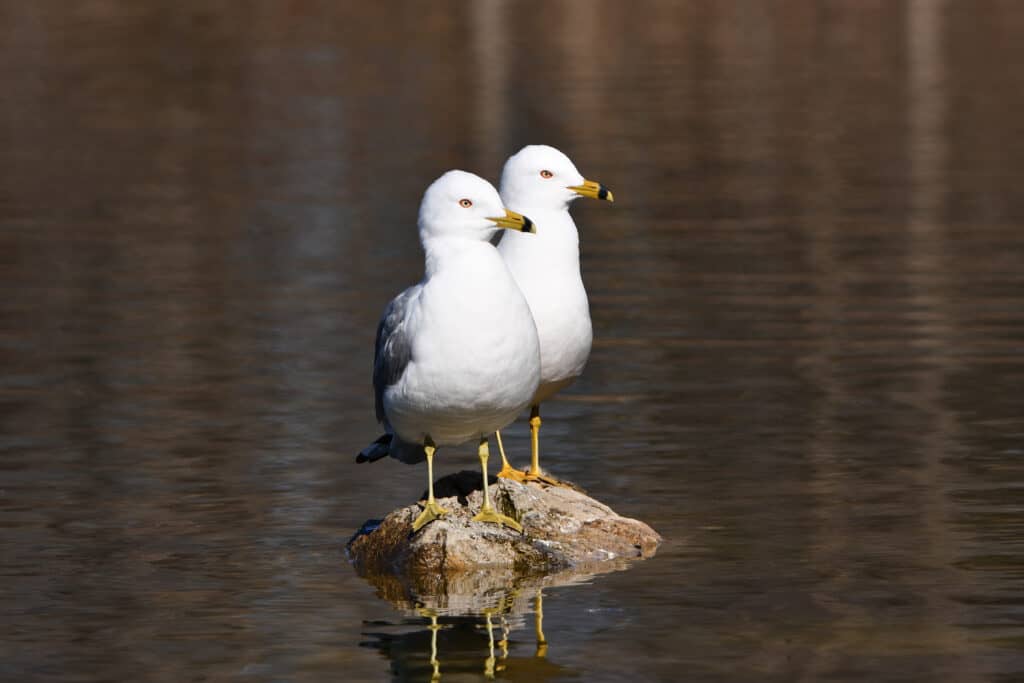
563 528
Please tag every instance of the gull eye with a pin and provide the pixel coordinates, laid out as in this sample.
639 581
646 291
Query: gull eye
546 174
465 203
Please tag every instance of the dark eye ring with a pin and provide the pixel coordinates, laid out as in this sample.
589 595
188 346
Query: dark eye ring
546 174
465 203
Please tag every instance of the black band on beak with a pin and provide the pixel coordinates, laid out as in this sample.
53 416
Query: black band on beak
602 193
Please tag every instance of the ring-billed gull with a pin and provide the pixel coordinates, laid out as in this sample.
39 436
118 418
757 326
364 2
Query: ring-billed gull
457 356
543 181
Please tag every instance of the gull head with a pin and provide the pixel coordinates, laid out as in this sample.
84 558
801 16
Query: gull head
541 177
461 204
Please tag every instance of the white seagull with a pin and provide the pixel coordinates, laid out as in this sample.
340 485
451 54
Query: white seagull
543 182
457 356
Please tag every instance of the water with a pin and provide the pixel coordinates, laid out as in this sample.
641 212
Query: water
807 302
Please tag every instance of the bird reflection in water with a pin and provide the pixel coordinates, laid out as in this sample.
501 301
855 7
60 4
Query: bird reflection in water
434 628
538 620
455 645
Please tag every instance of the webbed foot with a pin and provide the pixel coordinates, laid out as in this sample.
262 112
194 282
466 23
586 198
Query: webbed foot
492 516
431 511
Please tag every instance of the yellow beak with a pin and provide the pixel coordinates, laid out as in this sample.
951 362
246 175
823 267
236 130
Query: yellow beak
594 190
514 221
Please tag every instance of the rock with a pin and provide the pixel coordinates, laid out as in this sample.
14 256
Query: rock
563 529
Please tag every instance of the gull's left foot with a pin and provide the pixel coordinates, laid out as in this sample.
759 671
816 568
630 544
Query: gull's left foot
492 516
543 478
509 472
431 511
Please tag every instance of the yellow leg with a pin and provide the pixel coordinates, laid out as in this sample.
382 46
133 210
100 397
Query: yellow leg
507 471
535 423
431 510
487 512
542 643
535 473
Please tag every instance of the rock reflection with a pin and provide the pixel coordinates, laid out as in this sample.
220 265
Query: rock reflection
464 624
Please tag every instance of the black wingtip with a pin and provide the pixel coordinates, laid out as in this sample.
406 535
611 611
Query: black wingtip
376 450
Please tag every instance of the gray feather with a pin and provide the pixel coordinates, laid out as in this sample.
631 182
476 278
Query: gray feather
393 347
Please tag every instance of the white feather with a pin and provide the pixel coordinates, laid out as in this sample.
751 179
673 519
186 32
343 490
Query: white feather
474 363
547 268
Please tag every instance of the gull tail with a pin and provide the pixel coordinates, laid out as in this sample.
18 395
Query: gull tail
389 444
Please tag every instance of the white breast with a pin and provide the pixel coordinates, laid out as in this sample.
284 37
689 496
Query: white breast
475 356
547 270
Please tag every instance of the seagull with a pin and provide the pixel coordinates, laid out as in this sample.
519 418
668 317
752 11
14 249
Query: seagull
457 356
543 181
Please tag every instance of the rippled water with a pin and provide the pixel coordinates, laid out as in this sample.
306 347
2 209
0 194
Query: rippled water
808 302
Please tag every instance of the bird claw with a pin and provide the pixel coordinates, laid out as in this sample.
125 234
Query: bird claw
524 476
431 511
492 516
509 472
542 478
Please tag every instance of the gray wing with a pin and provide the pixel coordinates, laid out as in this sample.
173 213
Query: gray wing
393 347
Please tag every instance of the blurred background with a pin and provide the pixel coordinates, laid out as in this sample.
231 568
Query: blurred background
808 303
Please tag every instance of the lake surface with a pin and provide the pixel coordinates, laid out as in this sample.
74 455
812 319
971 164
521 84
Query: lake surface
808 302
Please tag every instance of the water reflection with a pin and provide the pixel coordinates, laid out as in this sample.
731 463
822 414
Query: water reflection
448 646
469 626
